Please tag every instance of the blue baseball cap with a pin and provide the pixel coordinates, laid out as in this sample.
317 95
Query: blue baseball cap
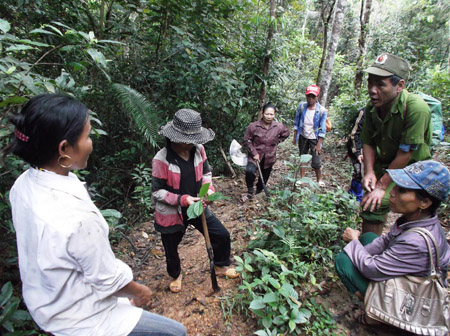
429 175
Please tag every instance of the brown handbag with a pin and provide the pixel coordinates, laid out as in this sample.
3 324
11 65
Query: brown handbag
416 304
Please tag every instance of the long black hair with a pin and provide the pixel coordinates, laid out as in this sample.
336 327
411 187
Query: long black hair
45 121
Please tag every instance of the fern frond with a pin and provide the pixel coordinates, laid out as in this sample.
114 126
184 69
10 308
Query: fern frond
142 112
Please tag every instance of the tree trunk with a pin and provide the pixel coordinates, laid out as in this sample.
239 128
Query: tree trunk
263 91
364 17
331 53
326 15
160 45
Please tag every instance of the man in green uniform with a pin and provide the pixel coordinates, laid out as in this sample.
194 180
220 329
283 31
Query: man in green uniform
396 132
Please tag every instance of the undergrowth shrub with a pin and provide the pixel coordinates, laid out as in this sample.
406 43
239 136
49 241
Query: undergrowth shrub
294 243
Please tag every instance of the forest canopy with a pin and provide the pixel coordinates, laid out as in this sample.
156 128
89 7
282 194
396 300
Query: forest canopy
134 63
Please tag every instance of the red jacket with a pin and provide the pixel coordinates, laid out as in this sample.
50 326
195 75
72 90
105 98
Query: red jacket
264 141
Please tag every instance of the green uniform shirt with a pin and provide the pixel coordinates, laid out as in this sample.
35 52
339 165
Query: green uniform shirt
411 128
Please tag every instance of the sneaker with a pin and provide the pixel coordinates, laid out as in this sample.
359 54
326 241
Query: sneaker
321 183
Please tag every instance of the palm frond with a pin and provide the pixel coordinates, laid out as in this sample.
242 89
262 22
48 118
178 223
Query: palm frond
142 112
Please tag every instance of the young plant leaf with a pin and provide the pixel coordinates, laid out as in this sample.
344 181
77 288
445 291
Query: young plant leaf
216 197
203 190
195 210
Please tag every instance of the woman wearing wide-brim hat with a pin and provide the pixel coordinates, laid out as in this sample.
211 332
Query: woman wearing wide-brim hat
178 172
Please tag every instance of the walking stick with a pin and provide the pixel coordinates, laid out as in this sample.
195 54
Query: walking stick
215 286
262 180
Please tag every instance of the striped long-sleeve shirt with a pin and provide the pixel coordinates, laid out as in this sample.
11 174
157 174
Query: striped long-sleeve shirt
167 201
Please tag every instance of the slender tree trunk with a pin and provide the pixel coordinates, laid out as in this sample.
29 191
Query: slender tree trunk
326 15
101 21
266 65
364 17
164 26
332 47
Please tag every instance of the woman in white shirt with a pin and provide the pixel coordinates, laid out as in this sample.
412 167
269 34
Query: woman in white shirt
72 283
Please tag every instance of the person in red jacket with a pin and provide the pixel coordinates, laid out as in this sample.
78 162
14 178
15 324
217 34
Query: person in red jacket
178 172
261 142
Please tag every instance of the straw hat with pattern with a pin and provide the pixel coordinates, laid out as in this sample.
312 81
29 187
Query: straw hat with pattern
186 127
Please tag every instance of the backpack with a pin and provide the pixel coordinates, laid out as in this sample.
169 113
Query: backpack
329 126
436 119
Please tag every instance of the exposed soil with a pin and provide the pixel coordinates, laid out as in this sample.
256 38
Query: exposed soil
204 314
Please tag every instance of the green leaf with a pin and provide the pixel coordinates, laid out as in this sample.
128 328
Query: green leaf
216 197
56 30
6 293
270 297
49 86
13 100
9 310
248 267
11 70
144 113
195 210
292 325
21 315
279 320
267 322
203 190
18 47
42 31
257 304
305 158
261 333
112 41
275 283
37 44
111 213
4 26
98 57
238 259
305 312
288 290
298 316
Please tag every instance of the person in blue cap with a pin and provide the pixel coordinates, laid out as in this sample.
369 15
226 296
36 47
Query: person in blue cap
419 190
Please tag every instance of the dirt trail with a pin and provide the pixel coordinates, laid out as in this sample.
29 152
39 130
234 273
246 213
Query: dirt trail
205 315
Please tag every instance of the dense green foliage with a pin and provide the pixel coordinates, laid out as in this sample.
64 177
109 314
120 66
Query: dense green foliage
135 62
295 237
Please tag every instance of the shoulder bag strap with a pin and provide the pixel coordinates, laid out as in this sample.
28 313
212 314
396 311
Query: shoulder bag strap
427 234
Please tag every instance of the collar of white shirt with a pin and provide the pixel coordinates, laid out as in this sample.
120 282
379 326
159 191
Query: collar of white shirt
69 184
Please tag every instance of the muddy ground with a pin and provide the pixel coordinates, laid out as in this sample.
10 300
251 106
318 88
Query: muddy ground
204 314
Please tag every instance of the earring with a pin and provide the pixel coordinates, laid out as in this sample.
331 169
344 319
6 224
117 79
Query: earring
63 157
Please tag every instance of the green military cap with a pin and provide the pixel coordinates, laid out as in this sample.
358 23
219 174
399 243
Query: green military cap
388 65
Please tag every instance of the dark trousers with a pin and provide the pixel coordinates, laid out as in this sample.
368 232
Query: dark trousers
308 145
220 241
250 175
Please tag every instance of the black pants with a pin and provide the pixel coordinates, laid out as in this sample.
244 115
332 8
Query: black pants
220 241
307 145
250 175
